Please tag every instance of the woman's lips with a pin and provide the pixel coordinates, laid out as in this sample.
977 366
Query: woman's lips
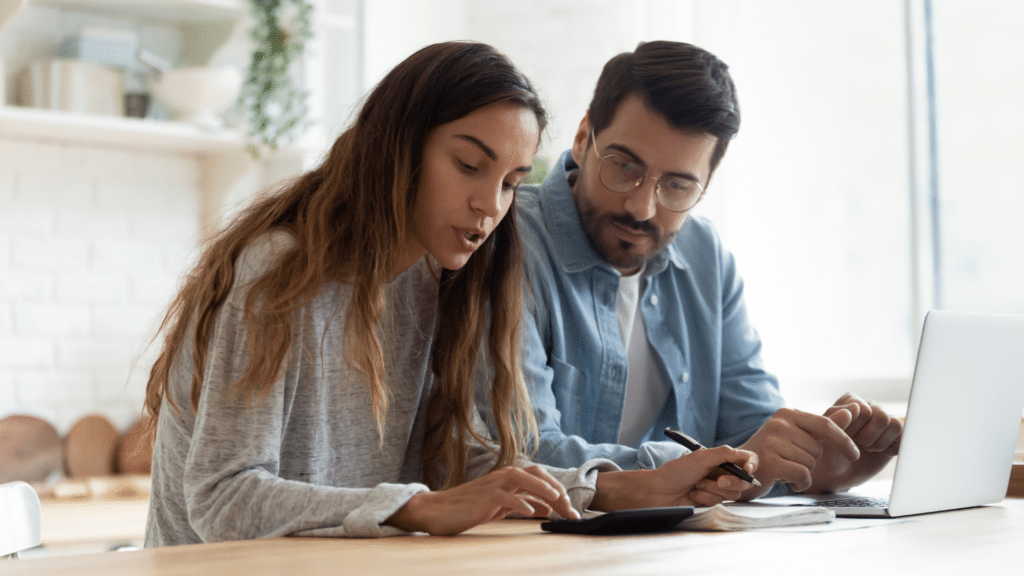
470 238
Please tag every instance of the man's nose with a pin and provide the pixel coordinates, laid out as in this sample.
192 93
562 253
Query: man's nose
642 201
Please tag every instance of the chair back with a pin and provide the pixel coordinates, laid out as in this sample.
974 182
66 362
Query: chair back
20 525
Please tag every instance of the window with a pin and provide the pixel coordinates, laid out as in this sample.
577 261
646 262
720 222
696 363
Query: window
979 136
871 179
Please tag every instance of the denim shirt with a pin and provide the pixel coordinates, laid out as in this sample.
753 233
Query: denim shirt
574 360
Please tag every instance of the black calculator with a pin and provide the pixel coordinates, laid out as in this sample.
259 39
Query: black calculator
635 521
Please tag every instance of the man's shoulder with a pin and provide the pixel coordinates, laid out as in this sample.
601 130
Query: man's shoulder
700 229
530 214
528 201
697 240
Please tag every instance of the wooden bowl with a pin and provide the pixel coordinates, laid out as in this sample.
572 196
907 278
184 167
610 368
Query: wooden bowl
30 449
89 447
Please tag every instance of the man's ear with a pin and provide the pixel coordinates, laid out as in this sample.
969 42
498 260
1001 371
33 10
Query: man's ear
580 141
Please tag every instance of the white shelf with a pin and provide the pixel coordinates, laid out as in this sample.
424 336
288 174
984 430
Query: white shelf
115 131
195 11
208 23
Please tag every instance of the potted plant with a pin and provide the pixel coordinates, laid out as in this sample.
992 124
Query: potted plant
272 98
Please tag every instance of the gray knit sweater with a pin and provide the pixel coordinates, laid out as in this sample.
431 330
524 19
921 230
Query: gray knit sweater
306 459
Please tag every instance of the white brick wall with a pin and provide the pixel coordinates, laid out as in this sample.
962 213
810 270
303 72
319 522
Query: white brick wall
92 244
93 241
561 45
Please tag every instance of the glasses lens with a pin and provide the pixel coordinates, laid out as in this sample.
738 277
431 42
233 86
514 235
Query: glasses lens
679 194
620 174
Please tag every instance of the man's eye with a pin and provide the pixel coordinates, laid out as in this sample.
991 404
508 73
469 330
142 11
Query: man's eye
680 184
627 166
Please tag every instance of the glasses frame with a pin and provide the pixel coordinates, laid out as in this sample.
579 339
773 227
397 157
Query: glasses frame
640 182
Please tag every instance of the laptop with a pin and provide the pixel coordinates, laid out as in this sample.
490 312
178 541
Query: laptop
962 422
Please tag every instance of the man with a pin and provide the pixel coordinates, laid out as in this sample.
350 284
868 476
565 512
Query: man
637 320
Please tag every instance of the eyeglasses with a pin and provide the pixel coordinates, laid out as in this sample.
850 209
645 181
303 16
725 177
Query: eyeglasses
621 174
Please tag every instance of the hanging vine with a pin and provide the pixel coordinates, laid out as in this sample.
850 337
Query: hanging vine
272 98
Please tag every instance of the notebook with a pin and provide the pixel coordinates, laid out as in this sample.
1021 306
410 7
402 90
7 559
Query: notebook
739 517
665 519
962 422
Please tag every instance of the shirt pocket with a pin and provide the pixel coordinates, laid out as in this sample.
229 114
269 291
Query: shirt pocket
570 390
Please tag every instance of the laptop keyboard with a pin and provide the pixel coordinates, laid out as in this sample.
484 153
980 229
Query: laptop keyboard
866 502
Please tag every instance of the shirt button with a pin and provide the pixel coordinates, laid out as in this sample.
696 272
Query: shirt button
654 300
684 377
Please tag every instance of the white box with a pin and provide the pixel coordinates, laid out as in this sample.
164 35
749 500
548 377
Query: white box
106 47
72 86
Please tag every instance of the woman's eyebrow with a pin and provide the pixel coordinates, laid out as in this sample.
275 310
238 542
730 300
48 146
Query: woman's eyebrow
484 147
489 152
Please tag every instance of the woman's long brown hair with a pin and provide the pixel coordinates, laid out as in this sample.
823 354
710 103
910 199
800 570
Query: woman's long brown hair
349 218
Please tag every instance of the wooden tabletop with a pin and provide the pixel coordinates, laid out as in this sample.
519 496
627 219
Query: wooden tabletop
978 540
95 511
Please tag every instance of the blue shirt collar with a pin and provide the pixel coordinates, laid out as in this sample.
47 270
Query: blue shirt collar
572 249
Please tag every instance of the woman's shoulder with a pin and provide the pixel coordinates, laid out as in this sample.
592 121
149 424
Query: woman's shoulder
262 255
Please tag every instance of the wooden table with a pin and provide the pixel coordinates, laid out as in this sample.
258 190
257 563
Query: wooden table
975 541
92 515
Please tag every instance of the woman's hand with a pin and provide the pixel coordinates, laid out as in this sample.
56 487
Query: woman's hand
693 479
528 491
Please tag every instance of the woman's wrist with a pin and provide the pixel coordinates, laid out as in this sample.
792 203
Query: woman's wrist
410 516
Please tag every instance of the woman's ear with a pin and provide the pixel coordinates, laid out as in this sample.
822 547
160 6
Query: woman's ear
580 141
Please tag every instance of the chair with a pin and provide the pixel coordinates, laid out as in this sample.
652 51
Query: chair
20 525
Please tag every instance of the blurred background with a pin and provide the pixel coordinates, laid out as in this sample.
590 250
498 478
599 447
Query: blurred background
873 178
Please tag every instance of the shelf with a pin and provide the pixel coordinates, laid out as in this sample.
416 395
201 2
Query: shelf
207 23
115 131
194 11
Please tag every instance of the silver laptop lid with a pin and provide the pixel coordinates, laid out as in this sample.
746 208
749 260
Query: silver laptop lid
963 415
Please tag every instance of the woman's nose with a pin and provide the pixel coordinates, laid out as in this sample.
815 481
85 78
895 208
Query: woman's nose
490 200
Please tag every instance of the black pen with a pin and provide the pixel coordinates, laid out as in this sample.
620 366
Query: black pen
693 445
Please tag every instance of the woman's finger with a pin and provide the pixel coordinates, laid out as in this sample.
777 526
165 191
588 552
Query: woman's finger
541 509
537 482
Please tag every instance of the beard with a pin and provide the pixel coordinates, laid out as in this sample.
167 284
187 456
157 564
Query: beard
619 253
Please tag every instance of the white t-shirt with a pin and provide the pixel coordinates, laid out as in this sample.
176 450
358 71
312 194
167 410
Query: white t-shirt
646 391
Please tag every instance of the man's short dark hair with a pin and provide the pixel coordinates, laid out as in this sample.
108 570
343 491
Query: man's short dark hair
688 85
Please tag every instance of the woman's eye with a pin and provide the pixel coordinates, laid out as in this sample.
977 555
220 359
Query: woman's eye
505 186
464 166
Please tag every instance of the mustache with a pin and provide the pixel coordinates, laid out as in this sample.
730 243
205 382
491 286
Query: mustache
630 222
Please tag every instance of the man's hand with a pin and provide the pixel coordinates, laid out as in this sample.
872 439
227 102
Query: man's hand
693 479
876 434
790 444
529 491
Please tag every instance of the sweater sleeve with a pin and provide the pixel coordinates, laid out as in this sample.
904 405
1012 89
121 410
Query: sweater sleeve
579 483
232 487
290 460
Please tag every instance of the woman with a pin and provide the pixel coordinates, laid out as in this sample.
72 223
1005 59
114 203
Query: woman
318 362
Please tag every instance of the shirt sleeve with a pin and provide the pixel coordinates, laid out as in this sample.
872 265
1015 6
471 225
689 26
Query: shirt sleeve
749 393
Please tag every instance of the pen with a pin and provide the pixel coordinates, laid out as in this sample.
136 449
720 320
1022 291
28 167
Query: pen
693 445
